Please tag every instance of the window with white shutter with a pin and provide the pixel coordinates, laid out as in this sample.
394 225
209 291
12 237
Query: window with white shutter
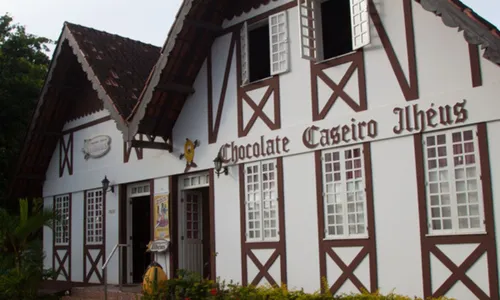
244 54
61 228
264 48
331 28
453 182
261 201
344 195
94 217
278 33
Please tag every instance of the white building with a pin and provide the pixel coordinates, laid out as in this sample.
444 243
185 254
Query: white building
357 137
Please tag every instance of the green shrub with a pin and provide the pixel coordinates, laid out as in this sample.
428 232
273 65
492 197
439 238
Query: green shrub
189 286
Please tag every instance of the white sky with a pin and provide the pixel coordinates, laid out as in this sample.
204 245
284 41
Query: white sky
144 20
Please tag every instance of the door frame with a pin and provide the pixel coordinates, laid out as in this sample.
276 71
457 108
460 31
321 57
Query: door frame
177 186
186 183
135 190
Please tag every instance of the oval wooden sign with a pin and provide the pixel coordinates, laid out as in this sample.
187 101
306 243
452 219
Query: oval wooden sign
97 146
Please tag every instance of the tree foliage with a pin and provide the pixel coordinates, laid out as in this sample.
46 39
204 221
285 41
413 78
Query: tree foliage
21 250
23 66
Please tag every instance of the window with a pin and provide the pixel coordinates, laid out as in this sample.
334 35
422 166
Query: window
331 28
453 185
95 217
261 203
344 195
264 48
62 226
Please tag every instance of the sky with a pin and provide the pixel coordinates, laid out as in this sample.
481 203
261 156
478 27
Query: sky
145 20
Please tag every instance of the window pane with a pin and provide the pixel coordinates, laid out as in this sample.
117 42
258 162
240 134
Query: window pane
343 184
452 175
261 198
95 216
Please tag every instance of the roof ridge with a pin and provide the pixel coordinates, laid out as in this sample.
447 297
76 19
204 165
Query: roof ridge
70 24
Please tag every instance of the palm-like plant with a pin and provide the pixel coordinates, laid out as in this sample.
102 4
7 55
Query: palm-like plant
17 232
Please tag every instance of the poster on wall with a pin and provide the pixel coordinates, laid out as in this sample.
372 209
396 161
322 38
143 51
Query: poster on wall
161 221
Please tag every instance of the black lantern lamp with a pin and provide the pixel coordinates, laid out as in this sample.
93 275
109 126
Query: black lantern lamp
105 185
219 169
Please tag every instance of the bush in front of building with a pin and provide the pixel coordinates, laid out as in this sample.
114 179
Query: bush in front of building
190 286
21 250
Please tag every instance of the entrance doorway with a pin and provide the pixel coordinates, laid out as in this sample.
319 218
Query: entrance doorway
139 230
194 227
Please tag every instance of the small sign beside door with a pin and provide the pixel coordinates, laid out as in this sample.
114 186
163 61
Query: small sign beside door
158 246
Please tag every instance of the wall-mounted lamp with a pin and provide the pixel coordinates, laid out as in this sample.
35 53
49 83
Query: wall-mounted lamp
105 186
219 169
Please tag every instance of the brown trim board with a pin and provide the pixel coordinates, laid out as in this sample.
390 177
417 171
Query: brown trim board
368 246
213 129
122 229
408 87
486 242
127 150
211 208
174 217
475 65
279 247
87 125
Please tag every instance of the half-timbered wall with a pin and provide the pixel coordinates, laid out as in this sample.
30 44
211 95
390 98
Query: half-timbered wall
402 66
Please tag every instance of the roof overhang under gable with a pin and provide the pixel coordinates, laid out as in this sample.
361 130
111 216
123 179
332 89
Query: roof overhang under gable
171 79
29 174
66 35
158 108
477 30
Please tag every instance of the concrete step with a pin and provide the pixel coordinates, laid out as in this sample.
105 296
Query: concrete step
97 292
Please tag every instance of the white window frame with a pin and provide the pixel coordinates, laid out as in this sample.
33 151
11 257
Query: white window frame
194 181
279 51
62 234
139 189
272 201
328 177
94 204
452 183
311 46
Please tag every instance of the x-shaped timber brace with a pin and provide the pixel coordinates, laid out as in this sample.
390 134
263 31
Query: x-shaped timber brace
60 268
94 263
264 269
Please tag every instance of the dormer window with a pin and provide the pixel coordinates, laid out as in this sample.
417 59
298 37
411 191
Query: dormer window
264 48
332 28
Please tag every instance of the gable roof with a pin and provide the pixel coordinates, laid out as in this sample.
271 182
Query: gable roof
170 81
90 70
121 65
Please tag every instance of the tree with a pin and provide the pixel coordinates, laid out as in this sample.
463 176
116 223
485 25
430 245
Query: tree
21 251
23 67
17 232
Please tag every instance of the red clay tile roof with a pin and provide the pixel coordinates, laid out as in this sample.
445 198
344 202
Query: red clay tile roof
474 16
122 65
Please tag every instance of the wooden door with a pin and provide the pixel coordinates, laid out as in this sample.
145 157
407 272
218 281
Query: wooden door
191 236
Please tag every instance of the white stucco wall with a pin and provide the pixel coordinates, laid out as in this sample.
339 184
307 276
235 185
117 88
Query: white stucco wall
301 219
396 216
